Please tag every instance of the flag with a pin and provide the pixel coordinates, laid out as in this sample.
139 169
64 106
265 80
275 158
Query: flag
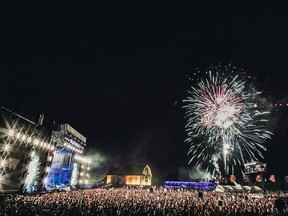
258 178
232 178
272 178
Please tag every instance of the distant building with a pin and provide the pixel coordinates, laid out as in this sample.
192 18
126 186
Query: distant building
68 167
137 177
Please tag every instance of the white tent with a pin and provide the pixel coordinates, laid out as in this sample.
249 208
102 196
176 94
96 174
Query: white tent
219 189
257 189
247 188
228 188
237 188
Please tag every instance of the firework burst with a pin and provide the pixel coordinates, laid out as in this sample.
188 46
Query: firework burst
224 127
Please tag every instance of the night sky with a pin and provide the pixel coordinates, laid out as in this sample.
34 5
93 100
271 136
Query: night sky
117 73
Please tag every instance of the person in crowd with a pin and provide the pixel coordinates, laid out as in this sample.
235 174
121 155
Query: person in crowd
139 201
280 206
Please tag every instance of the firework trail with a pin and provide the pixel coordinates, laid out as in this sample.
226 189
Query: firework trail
224 126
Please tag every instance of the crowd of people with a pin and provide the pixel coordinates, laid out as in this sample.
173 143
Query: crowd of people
139 201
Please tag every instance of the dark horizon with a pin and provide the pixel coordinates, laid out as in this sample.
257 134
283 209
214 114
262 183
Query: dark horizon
118 73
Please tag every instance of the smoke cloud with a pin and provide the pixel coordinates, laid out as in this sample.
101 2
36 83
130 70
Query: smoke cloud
186 173
99 165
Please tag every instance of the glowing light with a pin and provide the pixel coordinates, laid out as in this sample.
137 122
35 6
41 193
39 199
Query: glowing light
6 147
82 159
81 174
47 169
86 181
74 177
2 163
45 180
50 158
80 181
36 142
23 138
29 139
88 168
222 118
18 135
11 132
225 151
226 146
33 171
32 153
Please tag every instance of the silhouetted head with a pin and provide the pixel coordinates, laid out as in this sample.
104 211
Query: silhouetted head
279 205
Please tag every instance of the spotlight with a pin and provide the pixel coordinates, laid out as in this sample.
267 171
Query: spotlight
6 147
2 163
23 138
11 132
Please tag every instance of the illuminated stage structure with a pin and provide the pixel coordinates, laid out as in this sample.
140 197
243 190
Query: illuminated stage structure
190 185
29 155
69 166
26 153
